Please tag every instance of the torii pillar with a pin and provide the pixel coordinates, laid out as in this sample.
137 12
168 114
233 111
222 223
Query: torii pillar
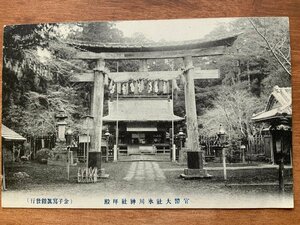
98 100
97 113
194 153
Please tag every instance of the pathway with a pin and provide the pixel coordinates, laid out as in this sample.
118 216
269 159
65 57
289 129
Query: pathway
144 170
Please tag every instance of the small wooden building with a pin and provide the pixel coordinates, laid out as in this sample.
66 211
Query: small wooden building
9 139
143 123
278 116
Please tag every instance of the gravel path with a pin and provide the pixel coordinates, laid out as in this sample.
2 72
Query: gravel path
144 171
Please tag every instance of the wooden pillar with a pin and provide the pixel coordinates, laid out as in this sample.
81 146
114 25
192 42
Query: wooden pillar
3 166
116 146
224 162
173 150
98 100
92 100
190 106
281 174
272 151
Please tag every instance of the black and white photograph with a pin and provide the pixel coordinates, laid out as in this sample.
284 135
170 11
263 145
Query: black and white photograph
181 113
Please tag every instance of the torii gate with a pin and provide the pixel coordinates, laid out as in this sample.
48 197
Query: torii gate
185 50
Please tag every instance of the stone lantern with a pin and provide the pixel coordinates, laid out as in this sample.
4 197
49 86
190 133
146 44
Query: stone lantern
61 126
281 136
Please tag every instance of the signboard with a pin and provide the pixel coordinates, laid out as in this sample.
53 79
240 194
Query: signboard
84 139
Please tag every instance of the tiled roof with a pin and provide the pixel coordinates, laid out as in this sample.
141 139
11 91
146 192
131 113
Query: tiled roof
141 109
282 95
283 98
271 114
155 46
10 135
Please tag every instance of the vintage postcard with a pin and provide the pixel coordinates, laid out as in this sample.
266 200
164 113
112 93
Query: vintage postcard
189 113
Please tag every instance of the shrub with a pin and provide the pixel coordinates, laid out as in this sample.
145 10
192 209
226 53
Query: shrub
43 155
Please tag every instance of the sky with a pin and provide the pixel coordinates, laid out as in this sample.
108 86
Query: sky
171 30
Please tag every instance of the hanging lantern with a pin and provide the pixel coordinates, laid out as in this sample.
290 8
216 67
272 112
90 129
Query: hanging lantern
126 88
156 86
160 86
112 89
149 86
123 89
165 90
141 87
132 87
119 88
136 88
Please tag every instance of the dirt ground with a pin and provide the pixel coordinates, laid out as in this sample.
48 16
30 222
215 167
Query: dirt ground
146 177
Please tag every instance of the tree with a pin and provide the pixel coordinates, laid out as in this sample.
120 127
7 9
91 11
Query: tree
37 68
104 32
21 71
233 108
258 60
35 78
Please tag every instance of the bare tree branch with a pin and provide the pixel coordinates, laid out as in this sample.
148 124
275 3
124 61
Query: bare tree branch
270 47
284 57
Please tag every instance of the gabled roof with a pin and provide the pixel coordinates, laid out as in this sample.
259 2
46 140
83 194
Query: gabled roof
279 104
10 135
141 109
281 96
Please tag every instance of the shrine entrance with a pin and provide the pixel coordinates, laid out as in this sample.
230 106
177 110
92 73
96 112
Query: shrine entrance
140 108
143 121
